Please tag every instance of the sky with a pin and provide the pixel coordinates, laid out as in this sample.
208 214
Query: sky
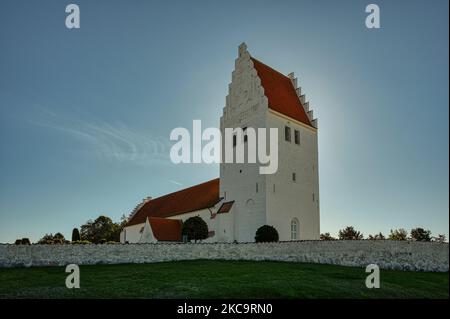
86 114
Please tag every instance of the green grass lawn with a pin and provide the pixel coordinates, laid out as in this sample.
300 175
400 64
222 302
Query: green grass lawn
219 279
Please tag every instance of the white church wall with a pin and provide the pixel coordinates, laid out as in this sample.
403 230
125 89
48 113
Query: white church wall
288 199
132 234
224 227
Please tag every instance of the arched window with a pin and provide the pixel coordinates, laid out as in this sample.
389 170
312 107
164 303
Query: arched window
294 229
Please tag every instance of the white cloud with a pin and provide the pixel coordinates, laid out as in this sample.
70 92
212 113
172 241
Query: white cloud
116 141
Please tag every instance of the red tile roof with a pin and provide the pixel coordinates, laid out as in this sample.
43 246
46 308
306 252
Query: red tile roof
165 229
225 208
190 199
280 92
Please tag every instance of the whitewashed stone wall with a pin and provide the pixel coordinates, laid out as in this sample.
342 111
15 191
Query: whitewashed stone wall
418 256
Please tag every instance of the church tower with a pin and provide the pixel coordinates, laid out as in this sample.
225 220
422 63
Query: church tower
260 97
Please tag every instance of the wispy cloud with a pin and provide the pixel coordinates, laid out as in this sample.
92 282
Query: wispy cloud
175 182
116 141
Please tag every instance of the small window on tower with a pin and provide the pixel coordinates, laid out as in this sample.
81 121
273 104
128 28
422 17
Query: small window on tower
297 137
234 140
294 229
256 187
294 177
287 133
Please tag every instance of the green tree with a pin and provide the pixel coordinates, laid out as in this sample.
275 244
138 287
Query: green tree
350 233
398 234
76 234
58 238
26 241
49 239
420 234
195 228
326 236
378 236
440 238
101 229
266 233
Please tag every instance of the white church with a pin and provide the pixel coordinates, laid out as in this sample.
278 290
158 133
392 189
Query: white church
241 200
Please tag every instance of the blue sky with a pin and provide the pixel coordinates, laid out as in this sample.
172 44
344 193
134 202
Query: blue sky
85 115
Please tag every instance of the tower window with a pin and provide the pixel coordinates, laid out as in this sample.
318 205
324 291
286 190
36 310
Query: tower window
297 137
256 187
294 229
234 140
274 188
245 134
294 177
287 133
313 197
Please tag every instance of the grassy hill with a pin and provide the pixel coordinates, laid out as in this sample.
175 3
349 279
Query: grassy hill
219 279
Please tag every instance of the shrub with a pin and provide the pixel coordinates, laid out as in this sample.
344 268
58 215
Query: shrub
81 242
26 241
378 236
195 228
266 233
18 242
420 234
350 233
46 240
440 238
398 234
326 236
112 242
76 234
58 238
50 239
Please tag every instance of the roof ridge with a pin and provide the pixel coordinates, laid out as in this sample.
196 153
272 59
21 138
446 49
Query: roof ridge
281 93
196 197
178 191
268 66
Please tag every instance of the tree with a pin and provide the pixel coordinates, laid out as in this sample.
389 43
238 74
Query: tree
123 221
50 239
102 228
47 239
266 233
76 234
398 234
350 233
326 236
195 228
420 234
23 241
440 238
378 236
58 238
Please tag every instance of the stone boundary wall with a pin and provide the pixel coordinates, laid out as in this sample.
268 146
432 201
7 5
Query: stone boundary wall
387 254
